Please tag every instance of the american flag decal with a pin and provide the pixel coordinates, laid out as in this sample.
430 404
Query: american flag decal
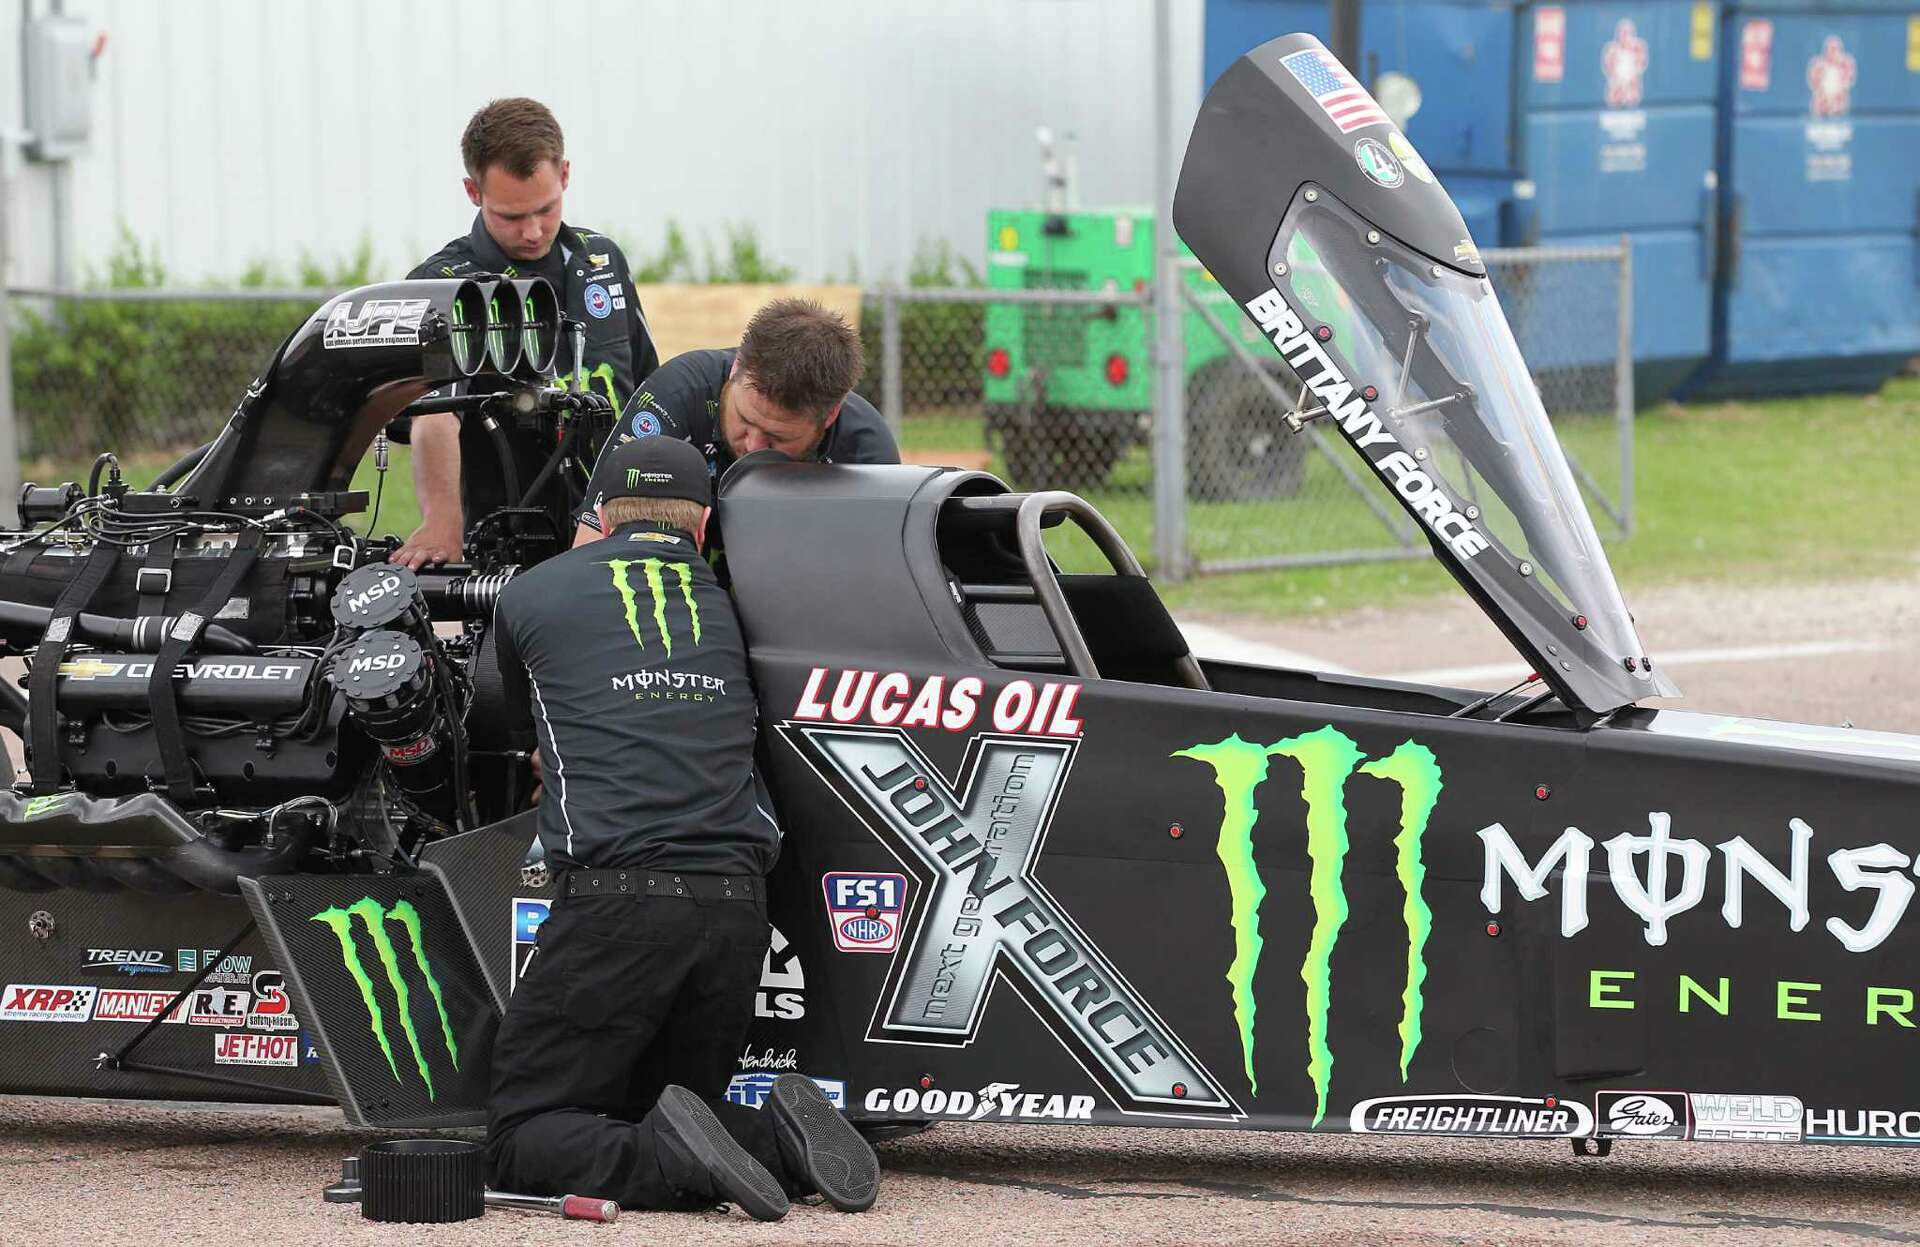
1334 89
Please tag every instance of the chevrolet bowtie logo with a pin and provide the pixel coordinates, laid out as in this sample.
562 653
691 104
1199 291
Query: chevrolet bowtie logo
88 668
983 912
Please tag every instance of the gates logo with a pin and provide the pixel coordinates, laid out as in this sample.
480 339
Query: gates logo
373 922
1623 62
865 911
35 1002
1642 1115
1830 79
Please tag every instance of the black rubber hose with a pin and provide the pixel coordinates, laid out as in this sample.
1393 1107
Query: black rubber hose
180 467
554 460
25 624
508 472
214 869
100 460
140 874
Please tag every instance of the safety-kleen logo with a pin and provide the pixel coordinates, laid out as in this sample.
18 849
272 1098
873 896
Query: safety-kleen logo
653 571
373 921
1326 757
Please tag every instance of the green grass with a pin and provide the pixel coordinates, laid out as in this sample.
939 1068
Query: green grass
1798 489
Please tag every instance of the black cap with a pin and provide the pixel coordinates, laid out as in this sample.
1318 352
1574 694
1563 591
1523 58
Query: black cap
656 467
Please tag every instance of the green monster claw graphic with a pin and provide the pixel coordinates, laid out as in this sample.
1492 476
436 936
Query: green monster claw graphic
1239 767
653 570
1327 758
1412 767
373 921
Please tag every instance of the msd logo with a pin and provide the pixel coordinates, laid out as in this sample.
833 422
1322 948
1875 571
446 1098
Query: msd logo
865 911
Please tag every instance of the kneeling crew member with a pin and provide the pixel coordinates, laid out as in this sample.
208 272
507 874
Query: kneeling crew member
611 1067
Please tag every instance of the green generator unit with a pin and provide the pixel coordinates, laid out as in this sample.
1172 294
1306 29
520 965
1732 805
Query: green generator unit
1069 387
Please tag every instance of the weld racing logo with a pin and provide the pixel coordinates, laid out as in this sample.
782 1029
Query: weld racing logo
373 921
1326 757
983 913
380 322
653 572
1424 496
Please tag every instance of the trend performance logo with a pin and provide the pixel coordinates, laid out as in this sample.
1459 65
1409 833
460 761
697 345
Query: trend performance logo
1326 758
373 920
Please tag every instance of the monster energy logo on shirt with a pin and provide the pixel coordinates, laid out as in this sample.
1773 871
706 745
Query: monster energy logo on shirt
373 921
1327 758
653 571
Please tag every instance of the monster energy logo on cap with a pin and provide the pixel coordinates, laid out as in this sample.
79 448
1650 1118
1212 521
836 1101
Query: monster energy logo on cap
633 478
1327 758
654 573
373 921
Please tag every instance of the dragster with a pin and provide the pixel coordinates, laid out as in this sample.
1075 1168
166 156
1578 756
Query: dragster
1040 863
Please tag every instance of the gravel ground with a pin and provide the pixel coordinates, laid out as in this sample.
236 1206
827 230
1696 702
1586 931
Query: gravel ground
100 1174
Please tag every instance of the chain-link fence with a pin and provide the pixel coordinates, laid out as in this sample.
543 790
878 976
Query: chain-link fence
1050 386
1052 389
138 369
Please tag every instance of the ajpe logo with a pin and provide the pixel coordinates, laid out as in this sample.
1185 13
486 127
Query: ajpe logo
1642 1115
1326 758
865 911
373 922
379 322
653 572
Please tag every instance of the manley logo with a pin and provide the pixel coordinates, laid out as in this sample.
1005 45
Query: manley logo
1327 758
373 920
653 570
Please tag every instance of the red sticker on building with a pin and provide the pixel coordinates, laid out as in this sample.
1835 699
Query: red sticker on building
1756 55
1623 63
1549 44
1830 78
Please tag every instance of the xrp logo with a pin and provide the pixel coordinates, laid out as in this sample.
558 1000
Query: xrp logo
653 572
1326 758
372 921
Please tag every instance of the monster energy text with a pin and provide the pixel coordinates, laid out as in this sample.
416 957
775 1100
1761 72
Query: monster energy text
1327 757
373 921
653 571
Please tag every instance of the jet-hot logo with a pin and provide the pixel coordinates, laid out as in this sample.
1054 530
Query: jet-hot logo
1326 759
373 922
653 573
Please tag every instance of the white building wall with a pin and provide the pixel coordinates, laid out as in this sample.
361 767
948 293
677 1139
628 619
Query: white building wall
844 131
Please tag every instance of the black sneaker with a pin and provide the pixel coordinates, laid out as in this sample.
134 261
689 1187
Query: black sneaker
737 1176
826 1147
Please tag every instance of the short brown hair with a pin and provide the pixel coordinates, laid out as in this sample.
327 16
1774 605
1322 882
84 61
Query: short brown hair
516 134
803 357
680 513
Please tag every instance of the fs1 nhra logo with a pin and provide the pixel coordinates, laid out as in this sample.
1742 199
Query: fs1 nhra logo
865 911
376 925
1327 759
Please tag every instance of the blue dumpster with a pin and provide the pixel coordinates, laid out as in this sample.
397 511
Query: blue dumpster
1820 153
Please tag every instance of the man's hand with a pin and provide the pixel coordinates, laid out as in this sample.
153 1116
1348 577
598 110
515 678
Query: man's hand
432 542
539 777
436 479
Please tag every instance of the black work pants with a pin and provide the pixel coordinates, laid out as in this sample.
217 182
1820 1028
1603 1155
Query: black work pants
626 995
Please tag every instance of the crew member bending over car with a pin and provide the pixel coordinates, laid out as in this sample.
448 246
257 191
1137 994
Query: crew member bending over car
517 171
611 1066
788 386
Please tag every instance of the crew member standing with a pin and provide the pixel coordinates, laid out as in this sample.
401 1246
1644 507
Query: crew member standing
517 171
611 1067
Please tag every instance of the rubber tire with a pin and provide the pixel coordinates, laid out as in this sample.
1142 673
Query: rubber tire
1239 447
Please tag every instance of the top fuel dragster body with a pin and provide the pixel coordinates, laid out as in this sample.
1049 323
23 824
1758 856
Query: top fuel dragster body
1040 863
